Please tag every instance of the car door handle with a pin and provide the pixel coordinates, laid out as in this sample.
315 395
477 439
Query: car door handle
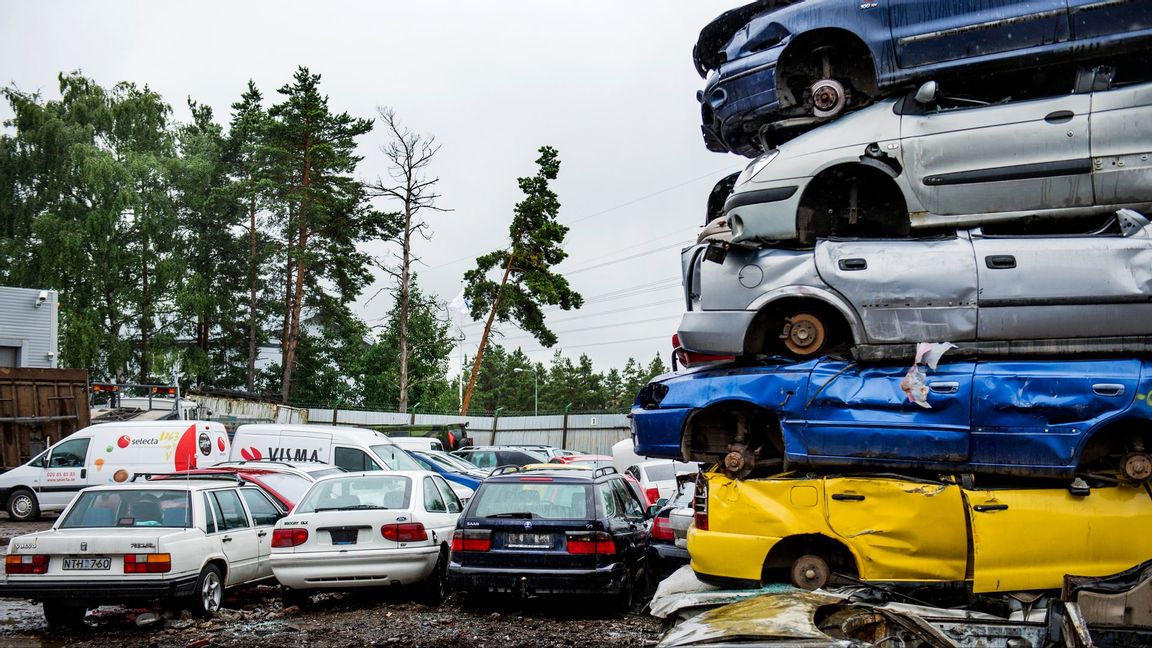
1059 117
984 508
225 539
1000 261
944 387
847 497
83 473
1108 389
262 534
849 265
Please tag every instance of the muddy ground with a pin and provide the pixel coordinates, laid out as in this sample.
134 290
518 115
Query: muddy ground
254 617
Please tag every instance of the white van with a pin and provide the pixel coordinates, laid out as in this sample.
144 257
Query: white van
351 448
107 453
418 443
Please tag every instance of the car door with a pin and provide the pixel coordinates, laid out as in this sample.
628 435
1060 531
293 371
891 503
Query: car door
264 514
441 508
1037 412
1087 535
962 159
238 539
632 522
861 416
905 290
1121 132
1037 287
65 473
1092 19
901 530
925 32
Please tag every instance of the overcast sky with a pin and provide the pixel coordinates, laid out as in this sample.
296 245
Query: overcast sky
611 85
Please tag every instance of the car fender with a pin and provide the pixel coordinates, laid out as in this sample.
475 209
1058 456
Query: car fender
824 295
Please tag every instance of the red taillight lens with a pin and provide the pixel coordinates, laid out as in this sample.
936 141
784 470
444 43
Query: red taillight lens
700 504
687 358
662 529
591 542
652 494
289 537
409 532
472 540
156 563
26 564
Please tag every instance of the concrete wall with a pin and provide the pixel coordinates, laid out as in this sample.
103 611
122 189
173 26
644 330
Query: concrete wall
30 329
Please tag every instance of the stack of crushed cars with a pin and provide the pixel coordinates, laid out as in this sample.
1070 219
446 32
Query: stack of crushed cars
917 346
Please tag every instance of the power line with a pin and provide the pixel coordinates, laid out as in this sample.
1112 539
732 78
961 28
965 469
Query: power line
630 257
602 326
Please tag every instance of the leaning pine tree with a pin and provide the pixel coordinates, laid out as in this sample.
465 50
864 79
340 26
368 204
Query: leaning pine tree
528 281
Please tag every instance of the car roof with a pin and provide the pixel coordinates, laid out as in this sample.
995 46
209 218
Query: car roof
414 474
167 484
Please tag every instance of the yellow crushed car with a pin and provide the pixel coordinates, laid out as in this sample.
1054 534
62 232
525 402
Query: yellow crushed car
900 530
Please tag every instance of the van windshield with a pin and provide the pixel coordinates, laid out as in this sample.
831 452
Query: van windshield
394 458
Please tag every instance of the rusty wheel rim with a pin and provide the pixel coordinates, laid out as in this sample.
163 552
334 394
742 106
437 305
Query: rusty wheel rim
810 572
805 334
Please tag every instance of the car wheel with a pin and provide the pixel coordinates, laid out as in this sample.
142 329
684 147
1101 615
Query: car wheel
435 588
810 572
294 597
22 505
1137 466
627 596
804 334
59 614
209 594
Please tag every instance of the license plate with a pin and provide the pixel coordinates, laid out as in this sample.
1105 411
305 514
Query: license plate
528 541
88 563
343 536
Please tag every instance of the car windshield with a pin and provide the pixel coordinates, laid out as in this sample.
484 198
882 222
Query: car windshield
448 463
371 491
129 508
660 472
291 487
531 500
395 458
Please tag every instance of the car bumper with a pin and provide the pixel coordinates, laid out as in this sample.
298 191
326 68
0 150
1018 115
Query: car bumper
715 332
656 432
94 594
667 558
728 556
609 580
765 211
736 102
343 570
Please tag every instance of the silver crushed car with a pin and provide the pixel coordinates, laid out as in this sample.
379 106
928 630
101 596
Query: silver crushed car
926 160
992 294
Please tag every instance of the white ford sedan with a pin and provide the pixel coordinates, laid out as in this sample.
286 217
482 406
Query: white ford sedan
181 542
367 530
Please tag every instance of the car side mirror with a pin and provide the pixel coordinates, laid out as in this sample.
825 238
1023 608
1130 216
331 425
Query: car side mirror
927 93
663 501
651 511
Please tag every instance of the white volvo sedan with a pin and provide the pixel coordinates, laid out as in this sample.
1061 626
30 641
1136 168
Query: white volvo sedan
178 542
367 530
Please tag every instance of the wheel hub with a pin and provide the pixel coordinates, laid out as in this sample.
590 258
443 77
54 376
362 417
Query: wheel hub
828 98
1137 466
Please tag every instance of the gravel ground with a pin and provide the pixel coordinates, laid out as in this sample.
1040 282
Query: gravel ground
253 617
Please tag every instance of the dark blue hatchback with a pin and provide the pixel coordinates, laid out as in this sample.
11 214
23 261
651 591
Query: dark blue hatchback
1037 418
774 67
563 531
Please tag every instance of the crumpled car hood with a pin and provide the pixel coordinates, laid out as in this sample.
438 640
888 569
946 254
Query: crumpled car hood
717 33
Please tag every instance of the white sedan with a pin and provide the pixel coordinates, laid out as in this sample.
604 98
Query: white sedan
367 530
179 542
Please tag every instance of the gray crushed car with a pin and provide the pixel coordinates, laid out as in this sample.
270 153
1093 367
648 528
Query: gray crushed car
993 294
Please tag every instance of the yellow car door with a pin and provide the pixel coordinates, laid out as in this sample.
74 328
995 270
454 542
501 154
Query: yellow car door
900 530
1028 539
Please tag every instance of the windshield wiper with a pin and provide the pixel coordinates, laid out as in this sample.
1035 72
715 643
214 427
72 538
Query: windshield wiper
523 515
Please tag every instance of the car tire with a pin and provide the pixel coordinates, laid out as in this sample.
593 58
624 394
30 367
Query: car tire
209 595
290 597
435 588
810 572
65 615
22 505
627 596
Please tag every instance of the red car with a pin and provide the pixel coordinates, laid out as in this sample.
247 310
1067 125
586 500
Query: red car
582 458
284 483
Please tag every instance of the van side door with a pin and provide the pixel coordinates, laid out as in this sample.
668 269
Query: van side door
65 473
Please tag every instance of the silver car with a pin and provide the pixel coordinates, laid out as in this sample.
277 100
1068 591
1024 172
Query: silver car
989 294
924 161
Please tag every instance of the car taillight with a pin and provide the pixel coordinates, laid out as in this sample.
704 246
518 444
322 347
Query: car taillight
26 564
408 532
289 537
700 503
686 358
652 494
590 542
153 563
662 529
472 540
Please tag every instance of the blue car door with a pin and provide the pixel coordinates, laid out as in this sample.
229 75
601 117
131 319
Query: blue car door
1035 413
927 32
860 415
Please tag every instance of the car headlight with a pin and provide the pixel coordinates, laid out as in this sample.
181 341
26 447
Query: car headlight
756 166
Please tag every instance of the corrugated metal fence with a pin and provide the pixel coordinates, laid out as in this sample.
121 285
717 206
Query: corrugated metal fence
592 433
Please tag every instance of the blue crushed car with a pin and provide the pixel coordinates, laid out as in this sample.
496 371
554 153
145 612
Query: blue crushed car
779 66
1041 418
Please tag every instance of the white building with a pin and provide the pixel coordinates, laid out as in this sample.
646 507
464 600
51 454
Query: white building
29 328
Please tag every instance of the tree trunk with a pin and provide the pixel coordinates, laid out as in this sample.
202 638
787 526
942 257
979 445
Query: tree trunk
301 266
405 294
251 296
145 312
484 338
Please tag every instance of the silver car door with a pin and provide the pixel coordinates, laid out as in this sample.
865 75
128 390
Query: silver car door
905 290
264 514
977 160
1122 144
933 32
441 507
238 539
1064 286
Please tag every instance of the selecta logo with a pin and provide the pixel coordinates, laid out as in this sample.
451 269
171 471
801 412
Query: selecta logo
126 441
123 441
220 443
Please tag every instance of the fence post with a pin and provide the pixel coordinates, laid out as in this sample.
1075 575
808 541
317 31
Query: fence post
495 418
564 430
